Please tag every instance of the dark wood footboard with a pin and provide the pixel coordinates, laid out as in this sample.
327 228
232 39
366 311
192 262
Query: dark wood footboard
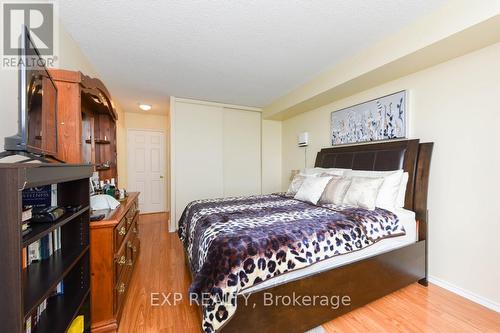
360 282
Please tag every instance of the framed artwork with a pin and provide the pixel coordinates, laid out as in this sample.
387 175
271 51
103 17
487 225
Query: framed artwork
383 118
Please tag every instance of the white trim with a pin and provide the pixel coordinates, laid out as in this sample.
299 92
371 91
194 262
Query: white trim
172 223
224 105
465 293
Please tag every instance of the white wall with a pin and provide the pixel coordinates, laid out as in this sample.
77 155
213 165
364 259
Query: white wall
457 106
271 156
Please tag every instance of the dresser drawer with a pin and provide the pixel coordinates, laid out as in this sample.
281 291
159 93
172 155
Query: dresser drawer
134 208
120 261
120 232
133 247
125 224
121 288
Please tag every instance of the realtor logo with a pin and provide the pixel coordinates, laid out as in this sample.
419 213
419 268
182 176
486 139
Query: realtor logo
39 17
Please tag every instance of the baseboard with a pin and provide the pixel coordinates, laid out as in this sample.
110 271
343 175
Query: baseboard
465 293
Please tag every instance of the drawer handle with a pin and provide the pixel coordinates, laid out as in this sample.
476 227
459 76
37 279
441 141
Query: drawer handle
122 231
130 262
130 246
134 230
121 288
129 220
121 261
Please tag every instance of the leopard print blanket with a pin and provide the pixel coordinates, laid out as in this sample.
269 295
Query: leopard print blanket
235 243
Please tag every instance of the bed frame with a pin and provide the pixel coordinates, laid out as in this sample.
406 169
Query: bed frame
365 280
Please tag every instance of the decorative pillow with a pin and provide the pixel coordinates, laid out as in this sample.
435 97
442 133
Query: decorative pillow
363 192
400 201
335 190
312 188
330 171
388 194
295 185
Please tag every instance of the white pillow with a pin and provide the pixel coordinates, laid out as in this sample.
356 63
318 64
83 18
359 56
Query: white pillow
312 188
295 185
335 190
363 192
389 191
400 201
330 171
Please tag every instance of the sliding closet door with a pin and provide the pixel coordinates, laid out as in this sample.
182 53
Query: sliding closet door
242 152
198 153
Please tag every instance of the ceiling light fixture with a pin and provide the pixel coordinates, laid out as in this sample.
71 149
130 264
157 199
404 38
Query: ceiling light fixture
145 107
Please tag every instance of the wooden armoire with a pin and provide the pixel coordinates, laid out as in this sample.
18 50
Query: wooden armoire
86 122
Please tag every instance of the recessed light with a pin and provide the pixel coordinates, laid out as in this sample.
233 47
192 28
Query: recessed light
145 107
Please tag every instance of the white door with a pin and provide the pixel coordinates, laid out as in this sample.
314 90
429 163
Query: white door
198 154
242 152
146 168
216 152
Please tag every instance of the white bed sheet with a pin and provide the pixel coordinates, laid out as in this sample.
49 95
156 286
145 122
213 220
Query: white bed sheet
406 217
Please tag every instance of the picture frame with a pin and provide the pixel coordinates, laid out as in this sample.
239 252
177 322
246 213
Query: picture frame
380 119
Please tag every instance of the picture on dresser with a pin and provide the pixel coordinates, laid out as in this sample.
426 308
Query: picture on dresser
383 118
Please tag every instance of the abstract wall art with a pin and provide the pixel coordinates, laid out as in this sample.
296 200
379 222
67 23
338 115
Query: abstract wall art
383 118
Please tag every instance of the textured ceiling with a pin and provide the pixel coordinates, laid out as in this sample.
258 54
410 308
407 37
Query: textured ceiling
240 51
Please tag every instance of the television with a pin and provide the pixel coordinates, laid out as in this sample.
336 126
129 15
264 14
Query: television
37 120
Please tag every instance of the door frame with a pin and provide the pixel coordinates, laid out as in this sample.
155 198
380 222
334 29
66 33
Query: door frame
165 162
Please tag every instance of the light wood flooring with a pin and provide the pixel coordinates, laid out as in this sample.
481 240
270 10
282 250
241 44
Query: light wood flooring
161 269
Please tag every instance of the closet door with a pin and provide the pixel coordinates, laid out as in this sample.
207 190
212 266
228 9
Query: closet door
242 152
198 153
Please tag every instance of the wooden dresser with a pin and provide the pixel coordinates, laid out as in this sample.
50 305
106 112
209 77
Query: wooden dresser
114 245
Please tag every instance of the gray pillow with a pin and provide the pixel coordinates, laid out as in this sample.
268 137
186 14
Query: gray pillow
335 191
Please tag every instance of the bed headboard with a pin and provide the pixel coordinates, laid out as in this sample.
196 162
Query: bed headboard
409 155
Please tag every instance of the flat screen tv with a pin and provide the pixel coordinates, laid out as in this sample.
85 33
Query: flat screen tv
37 121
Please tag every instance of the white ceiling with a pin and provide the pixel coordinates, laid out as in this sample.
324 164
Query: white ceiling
246 52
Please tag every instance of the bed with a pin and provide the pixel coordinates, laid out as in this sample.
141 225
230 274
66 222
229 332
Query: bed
275 264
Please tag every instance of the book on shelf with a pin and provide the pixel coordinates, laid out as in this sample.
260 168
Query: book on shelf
44 247
28 325
37 196
27 213
24 255
38 251
25 229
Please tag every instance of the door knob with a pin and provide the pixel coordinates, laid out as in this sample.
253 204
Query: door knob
161 177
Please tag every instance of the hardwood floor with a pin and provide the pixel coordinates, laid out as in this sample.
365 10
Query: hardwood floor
161 269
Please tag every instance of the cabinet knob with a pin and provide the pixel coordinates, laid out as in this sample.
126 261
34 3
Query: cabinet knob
121 261
121 288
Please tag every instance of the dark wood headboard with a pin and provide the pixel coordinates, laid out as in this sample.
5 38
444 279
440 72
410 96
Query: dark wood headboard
409 155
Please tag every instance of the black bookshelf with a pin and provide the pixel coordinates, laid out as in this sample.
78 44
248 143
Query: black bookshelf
23 289
39 230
